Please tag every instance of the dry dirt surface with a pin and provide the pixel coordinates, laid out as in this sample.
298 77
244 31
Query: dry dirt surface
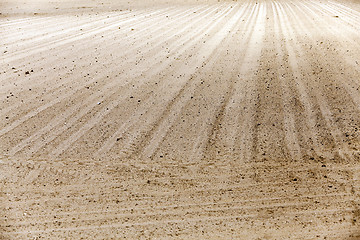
196 120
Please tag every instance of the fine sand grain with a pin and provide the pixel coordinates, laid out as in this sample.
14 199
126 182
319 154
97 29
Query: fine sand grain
188 120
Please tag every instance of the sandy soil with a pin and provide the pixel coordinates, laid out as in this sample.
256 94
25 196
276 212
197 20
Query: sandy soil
196 120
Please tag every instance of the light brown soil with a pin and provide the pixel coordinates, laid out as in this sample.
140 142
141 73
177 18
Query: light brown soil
196 120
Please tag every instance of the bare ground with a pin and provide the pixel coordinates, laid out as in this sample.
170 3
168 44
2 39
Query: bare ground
205 120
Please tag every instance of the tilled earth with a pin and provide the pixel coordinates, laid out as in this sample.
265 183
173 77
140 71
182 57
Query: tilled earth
214 120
